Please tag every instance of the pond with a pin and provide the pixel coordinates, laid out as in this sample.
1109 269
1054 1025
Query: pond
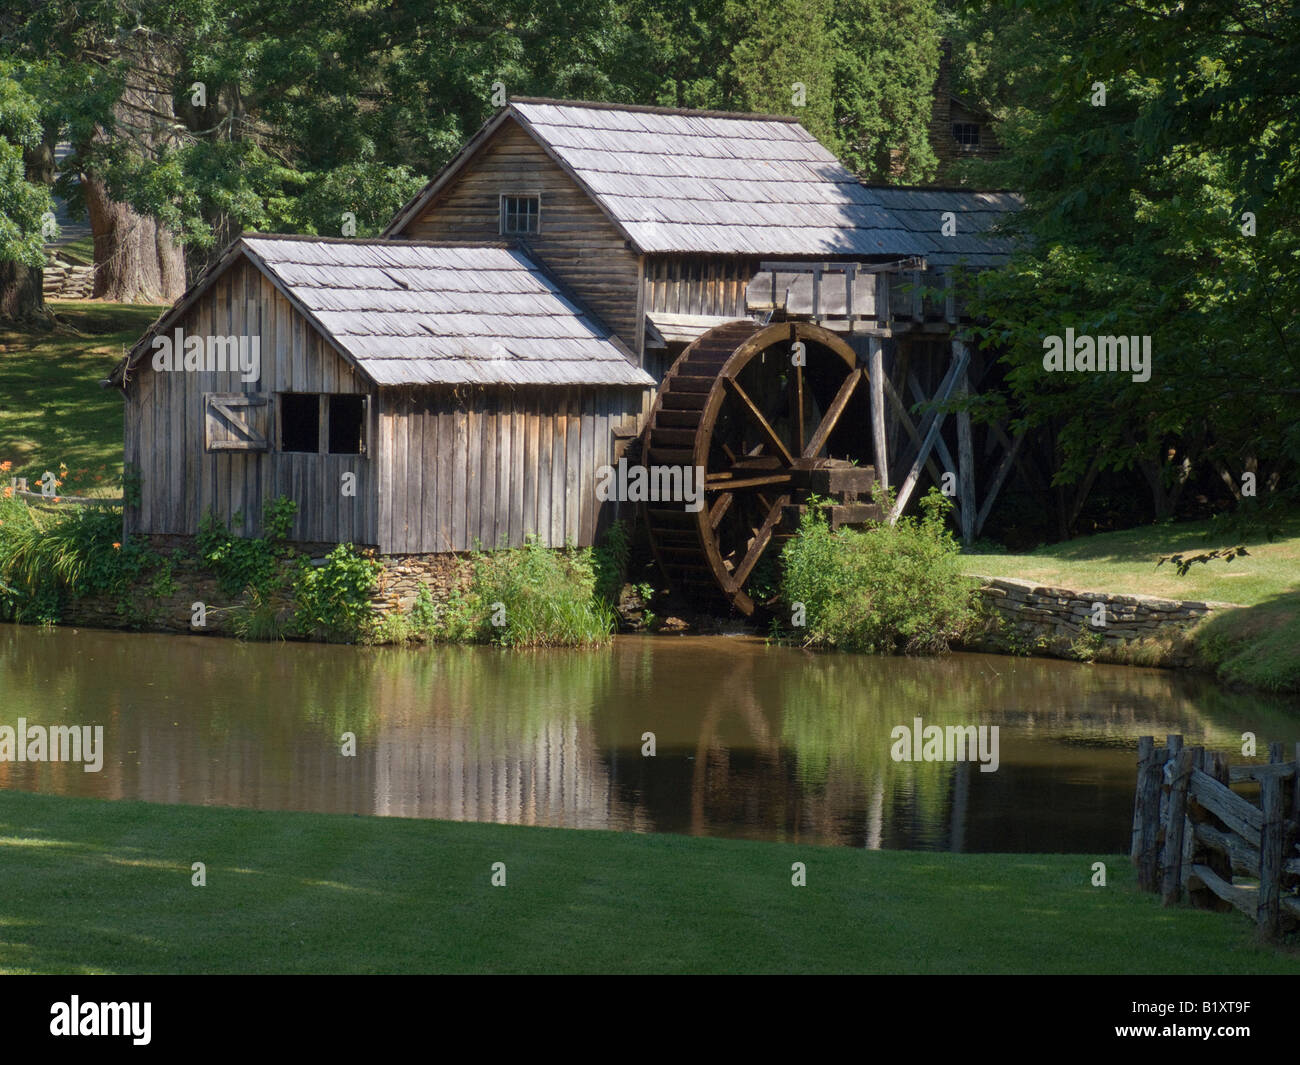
751 740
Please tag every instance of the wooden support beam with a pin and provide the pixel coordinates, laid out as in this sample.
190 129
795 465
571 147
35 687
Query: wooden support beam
1171 886
904 419
965 454
945 456
876 375
1000 475
1270 850
935 423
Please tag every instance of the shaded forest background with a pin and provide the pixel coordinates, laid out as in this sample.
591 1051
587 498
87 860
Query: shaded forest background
1155 145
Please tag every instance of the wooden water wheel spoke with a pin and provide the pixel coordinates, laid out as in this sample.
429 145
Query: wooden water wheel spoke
742 477
832 416
745 419
720 507
757 417
798 406
761 538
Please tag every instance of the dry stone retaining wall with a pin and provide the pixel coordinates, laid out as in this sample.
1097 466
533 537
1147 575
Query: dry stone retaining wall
1029 616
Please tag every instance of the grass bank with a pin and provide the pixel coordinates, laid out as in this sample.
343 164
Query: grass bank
52 409
1257 646
97 887
1125 563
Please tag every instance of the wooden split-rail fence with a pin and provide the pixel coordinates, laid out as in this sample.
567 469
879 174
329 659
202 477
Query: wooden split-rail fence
1192 833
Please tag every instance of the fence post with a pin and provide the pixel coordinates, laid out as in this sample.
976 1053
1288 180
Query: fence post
1270 849
1146 813
1172 860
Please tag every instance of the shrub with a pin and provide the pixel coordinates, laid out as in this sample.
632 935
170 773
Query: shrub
610 558
242 562
333 599
888 589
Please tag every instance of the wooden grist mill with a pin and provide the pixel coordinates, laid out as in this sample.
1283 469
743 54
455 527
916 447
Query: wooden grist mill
580 277
772 414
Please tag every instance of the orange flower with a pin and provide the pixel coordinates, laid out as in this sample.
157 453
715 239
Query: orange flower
116 546
6 466
9 492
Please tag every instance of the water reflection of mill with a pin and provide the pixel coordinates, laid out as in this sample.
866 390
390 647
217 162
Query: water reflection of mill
752 741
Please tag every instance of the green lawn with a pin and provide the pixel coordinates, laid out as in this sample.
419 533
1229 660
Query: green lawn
94 886
1125 562
52 409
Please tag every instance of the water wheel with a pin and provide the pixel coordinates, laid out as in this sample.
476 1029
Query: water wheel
772 414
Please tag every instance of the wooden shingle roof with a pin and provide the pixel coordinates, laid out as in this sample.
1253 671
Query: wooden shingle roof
418 313
702 182
973 243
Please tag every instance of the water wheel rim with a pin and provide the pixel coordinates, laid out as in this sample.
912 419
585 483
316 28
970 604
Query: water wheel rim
751 340
751 347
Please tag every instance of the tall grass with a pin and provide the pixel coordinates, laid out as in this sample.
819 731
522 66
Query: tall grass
49 554
531 596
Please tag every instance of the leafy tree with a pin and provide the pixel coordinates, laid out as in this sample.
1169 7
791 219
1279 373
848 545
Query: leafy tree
23 203
1135 225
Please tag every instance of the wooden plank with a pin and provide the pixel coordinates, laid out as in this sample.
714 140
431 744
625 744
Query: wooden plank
999 475
1244 898
1146 815
877 380
545 456
756 416
1243 859
1271 840
518 431
1229 807
559 468
965 459
490 500
446 468
459 472
587 469
473 418
1175 826
532 461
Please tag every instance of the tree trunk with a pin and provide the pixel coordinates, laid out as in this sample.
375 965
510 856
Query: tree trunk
21 295
136 260
20 292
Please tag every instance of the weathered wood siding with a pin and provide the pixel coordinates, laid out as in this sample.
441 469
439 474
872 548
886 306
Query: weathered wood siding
164 432
577 242
692 284
489 466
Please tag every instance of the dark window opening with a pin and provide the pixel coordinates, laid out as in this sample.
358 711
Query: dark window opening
347 425
520 214
300 421
967 134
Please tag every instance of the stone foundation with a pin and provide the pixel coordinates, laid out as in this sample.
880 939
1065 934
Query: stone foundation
1030 618
397 588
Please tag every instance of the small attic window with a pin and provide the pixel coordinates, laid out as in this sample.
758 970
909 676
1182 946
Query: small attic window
967 134
520 214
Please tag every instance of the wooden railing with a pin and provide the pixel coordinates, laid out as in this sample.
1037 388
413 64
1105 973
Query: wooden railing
1193 833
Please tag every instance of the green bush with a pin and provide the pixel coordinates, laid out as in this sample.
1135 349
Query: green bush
531 596
242 562
333 599
889 589
610 558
